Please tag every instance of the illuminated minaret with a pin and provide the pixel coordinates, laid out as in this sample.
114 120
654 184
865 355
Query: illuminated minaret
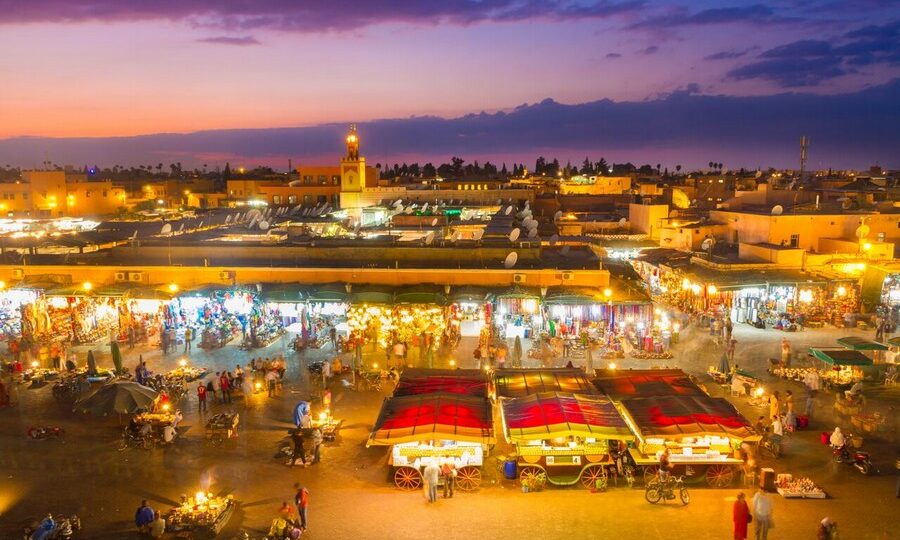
353 167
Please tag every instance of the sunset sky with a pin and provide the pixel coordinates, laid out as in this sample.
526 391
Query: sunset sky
104 68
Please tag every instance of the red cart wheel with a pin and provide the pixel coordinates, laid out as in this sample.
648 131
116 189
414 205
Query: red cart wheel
407 478
591 475
527 475
650 472
468 478
719 476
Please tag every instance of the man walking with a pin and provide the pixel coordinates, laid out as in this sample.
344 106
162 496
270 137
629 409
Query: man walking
299 451
217 387
201 396
448 471
225 384
431 475
317 442
188 337
761 506
270 382
301 499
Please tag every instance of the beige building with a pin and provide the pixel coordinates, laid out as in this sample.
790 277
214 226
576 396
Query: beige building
58 194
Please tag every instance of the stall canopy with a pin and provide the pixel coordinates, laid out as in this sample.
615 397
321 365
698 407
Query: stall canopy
469 295
574 296
513 383
618 385
421 294
841 357
326 293
282 293
549 415
519 292
427 417
202 291
68 290
372 294
855 343
467 382
116 290
679 416
149 293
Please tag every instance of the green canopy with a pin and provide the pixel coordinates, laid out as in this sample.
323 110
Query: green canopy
69 290
326 293
519 292
469 295
421 294
372 294
855 343
149 293
841 357
204 290
282 293
574 296
116 290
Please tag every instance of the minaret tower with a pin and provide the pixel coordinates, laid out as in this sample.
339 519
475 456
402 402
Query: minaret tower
353 167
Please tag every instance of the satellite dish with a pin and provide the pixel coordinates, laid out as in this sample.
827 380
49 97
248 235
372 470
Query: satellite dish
434 222
554 239
508 210
263 225
478 235
455 236
227 219
424 208
777 210
166 229
862 231
623 222
707 244
514 235
558 215
429 238
674 214
356 227
758 174
532 225
134 236
398 202
510 260
532 233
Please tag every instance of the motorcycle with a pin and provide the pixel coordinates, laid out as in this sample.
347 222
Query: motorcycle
849 455
44 432
771 445
662 491
63 528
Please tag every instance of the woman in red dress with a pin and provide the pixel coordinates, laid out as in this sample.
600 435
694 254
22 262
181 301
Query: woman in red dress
741 517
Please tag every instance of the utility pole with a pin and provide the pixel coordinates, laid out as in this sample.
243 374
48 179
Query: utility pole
804 149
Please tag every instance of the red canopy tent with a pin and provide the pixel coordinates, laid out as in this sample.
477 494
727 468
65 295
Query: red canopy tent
618 385
550 415
467 382
514 383
426 417
668 416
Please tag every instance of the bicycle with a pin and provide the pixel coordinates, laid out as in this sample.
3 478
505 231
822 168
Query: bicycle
657 491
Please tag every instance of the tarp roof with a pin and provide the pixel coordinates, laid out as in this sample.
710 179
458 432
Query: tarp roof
741 279
574 296
551 414
469 294
519 292
468 382
678 416
372 294
421 294
855 343
325 293
428 417
623 384
514 383
282 292
841 357
68 290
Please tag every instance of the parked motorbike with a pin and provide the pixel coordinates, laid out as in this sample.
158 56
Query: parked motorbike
662 491
770 445
44 432
61 528
850 455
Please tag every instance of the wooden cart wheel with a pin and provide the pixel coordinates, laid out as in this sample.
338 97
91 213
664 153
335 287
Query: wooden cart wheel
407 478
591 475
468 478
719 476
527 474
650 472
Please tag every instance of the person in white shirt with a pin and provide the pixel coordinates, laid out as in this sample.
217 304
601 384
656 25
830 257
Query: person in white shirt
431 476
761 507
157 526
837 438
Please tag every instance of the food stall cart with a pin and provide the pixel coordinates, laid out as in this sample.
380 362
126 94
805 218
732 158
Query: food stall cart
563 438
467 382
843 366
627 383
204 514
513 383
221 427
702 433
424 428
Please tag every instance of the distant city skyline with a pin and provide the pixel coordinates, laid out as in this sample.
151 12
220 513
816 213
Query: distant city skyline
103 68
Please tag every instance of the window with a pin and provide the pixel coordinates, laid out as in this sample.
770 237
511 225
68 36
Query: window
336 179
87 194
292 199
25 197
307 199
307 179
104 193
322 179
276 199
795 240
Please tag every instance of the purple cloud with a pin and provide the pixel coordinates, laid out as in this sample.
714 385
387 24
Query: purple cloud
229 40
291 15
613 55
729 55
653 49
680 16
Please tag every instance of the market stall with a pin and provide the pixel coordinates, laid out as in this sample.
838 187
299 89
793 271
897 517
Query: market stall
370 316
843 366
326 307
514 383
426 428
516 313
702 433
562 437
12 301
622 384
470 311
466 382
202 514
420 317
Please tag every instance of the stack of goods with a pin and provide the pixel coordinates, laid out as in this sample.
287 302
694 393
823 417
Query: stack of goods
223 424
187 373
799 488
203 511
61 325
794 374
654 355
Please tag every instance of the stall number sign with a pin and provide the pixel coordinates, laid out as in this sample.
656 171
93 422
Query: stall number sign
563 460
